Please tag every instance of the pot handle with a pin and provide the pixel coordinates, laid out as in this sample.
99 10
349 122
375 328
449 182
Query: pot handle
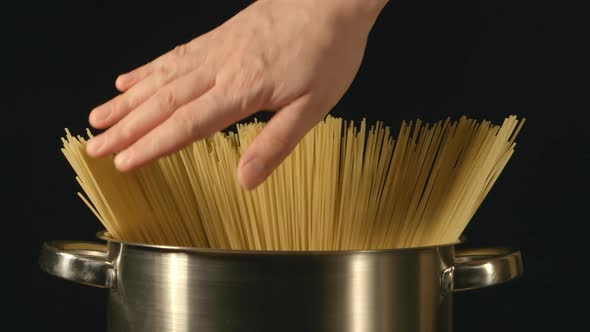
82 262
483 267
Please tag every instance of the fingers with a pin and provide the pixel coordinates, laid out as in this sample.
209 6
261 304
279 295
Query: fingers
151 113
193 121
274 143
127 80
146 81
115 109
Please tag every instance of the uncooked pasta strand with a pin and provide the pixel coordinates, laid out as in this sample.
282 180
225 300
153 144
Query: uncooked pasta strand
343 187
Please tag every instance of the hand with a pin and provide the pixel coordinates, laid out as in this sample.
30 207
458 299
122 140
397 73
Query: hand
296 58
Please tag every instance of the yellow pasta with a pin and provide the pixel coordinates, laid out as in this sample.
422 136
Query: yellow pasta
343 188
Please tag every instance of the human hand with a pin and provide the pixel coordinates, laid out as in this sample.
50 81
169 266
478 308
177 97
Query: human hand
296 58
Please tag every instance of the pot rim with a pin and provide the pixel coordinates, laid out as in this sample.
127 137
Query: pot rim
104 235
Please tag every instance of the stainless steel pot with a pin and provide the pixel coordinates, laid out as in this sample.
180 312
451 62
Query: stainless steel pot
156 288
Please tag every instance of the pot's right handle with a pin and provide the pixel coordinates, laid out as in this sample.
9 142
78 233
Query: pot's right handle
483 267
82 262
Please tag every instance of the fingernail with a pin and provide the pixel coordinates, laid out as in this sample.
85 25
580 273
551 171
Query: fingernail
251 174
100 114
95 145
122 160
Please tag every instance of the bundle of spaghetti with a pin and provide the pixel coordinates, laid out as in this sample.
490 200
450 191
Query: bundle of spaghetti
344 187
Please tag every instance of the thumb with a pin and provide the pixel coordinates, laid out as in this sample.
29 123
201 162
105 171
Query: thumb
276 140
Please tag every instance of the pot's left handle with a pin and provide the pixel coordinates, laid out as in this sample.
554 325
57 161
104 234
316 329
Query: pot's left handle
82 262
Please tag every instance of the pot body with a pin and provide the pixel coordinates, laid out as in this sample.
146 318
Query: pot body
178 289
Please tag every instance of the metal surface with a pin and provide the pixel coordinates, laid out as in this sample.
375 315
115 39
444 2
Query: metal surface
82 262
477 268
182 289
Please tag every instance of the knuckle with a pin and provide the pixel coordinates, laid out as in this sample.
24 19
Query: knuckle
254 76
130 99
148 67
166 71
125 133
165 99
119 105
180 51
250 86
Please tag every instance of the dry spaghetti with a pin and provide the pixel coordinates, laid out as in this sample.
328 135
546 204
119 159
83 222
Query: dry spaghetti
343 188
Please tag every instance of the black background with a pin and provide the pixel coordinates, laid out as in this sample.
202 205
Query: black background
480 58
